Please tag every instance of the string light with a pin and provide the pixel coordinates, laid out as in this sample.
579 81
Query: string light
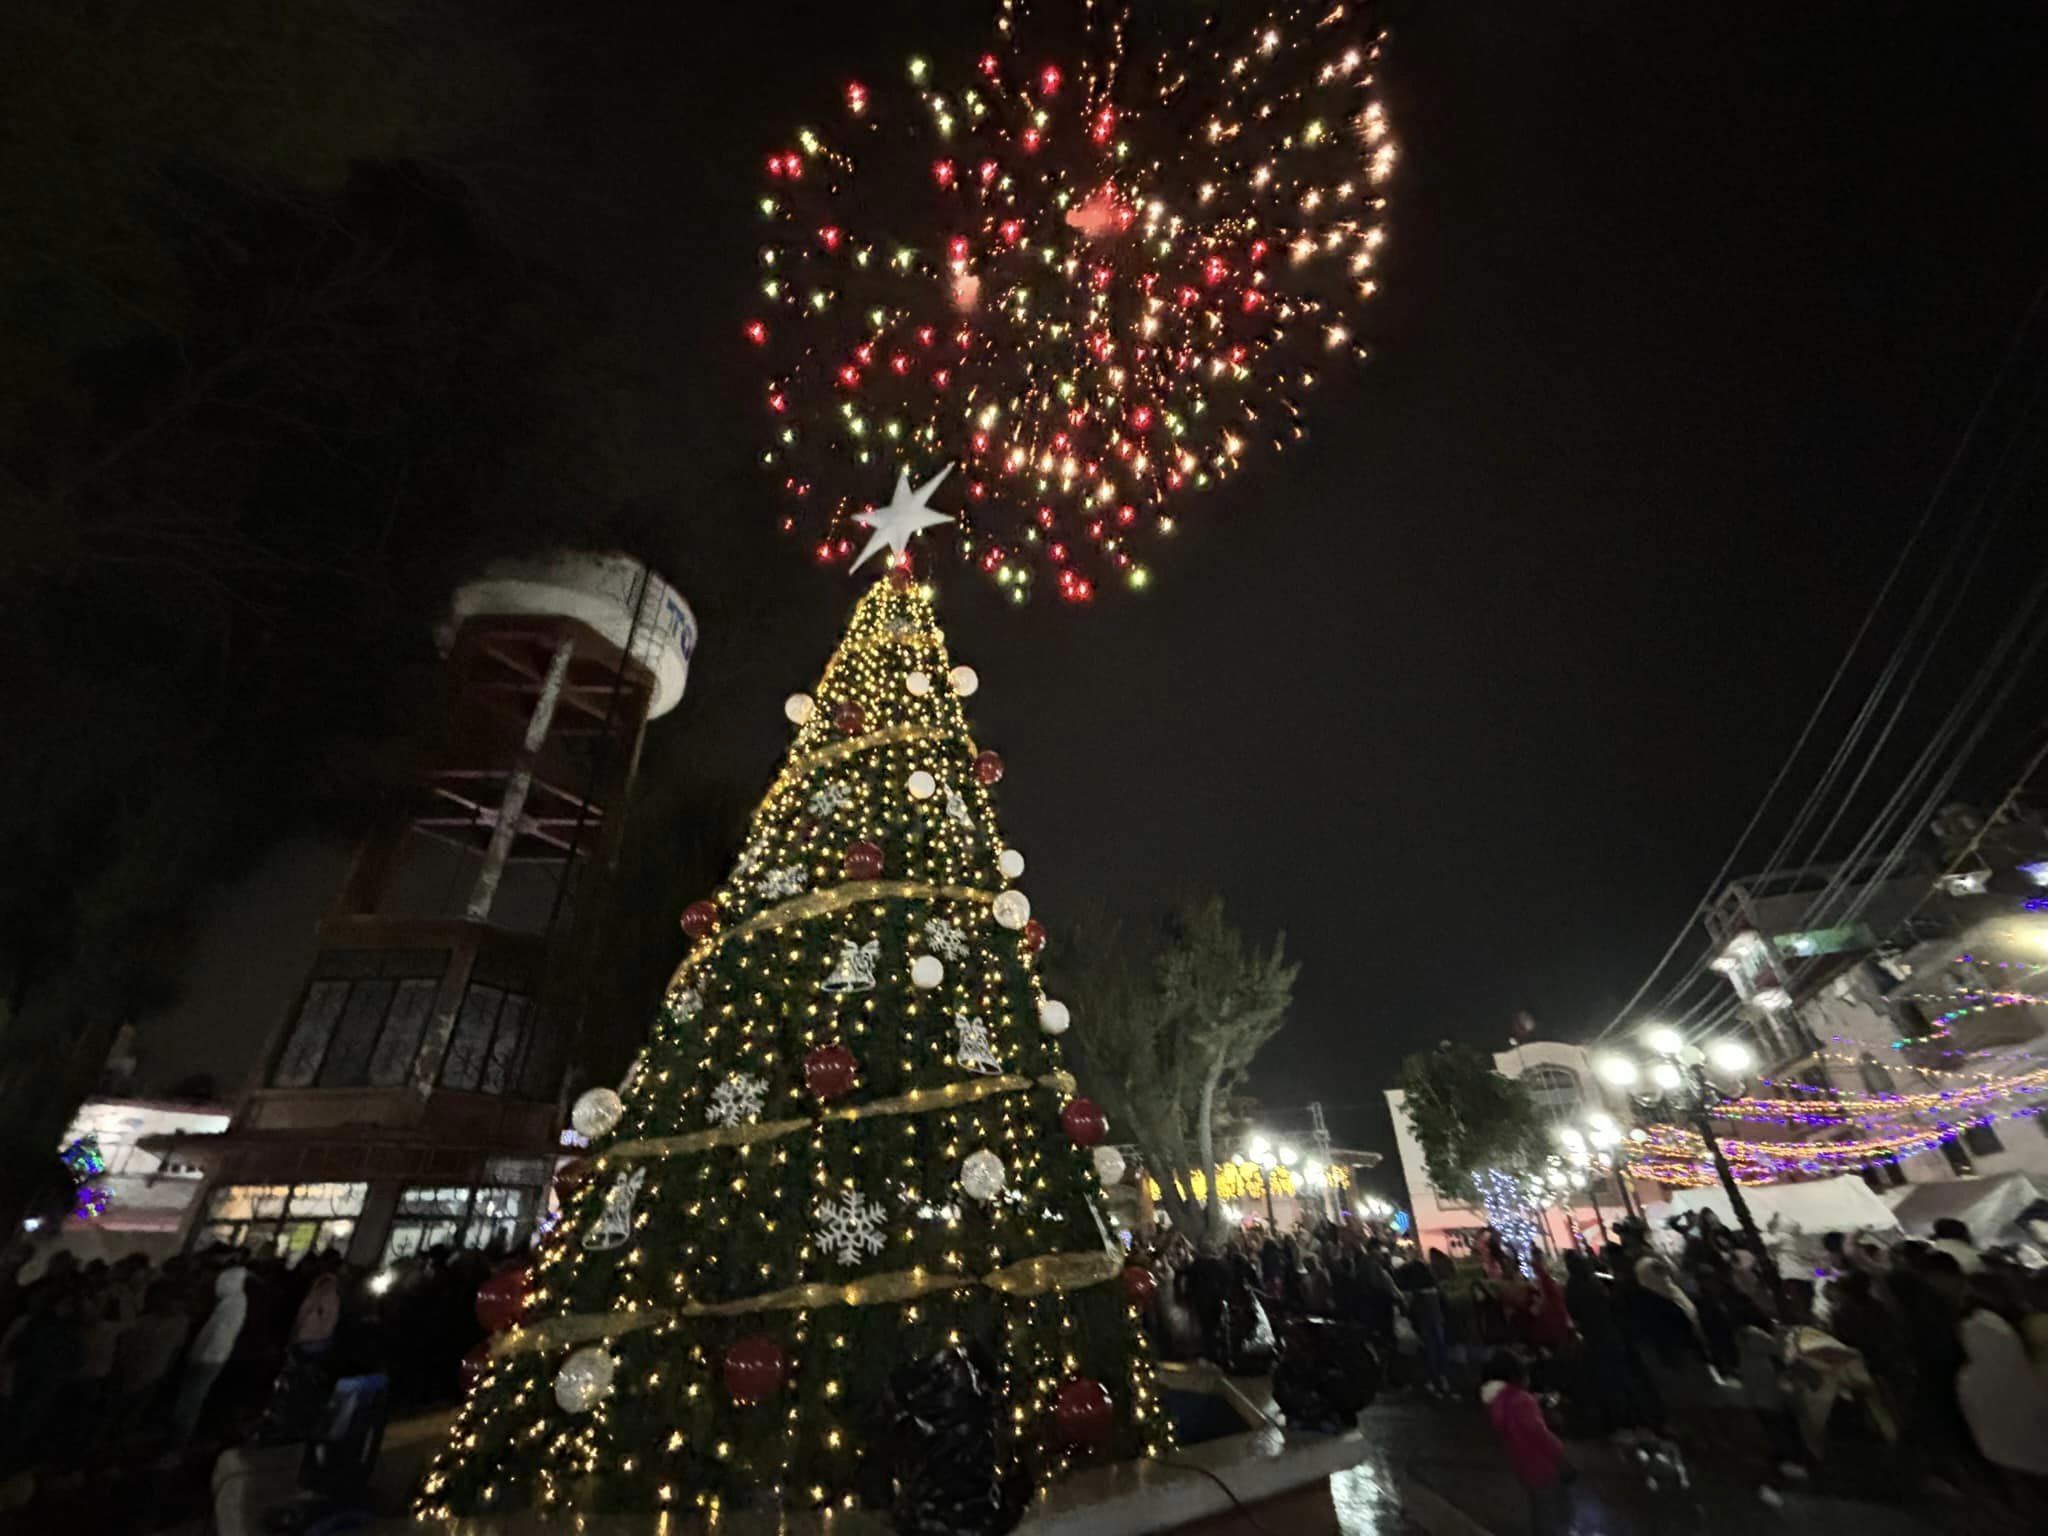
1093 294
1508 1212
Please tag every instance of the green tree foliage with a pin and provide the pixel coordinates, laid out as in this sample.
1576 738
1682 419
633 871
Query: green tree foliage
273 383
1171 1021
1468 1117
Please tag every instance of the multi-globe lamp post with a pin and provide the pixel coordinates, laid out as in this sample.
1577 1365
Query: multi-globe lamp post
1593 1150
1677 1079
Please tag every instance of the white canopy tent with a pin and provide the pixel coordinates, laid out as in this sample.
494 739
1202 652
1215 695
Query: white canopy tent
1990 1207
1784 1212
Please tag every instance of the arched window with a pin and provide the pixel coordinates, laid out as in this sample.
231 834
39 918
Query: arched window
1877 1077
1555 1090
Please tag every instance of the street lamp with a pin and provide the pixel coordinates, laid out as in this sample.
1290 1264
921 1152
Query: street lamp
1677 1084
1593 1150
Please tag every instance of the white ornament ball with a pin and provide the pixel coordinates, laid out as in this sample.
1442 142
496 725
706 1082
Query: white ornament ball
927 971
922 785
1053 1017
798 706
585 1379
596 1112
1011 863
963 680
983 1175
1109 1163
1012 909
918 684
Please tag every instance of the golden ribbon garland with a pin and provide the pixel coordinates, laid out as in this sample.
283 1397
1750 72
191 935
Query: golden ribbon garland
915 1102
816 904
1027 1277
798 767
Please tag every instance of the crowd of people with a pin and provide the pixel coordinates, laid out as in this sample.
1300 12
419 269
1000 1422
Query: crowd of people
1934 1352
158 1363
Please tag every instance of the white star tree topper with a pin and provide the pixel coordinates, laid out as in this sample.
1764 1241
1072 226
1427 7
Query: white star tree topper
908 514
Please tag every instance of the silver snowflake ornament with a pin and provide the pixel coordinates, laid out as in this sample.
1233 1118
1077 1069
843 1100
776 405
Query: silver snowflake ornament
832 797
849 1228
781 884
689 1003
737 1100
956 807
944 939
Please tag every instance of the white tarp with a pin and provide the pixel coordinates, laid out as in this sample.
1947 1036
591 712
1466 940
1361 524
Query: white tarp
1842 1204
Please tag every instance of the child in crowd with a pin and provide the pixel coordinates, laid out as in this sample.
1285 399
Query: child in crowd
1534 1451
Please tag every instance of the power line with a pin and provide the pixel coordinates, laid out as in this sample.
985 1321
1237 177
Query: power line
1928 512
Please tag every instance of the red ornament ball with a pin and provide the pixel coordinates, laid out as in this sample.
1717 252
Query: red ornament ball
863 861
1082 1412
1139 1285
1084 1122
753 1369
900 577
573 1177
849 717
988 768
474 1364
501 1299
828 1071
699 918
1034 935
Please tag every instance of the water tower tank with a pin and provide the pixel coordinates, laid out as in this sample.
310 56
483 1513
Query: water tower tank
613 594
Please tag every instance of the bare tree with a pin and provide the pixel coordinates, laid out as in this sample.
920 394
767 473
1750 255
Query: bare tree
1170 1025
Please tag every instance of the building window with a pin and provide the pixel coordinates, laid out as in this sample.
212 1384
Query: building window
1554 1090
1958 1159
1884 1176
484 1054
488 1216
1877 1077
1982 1140
362 1019
288 1220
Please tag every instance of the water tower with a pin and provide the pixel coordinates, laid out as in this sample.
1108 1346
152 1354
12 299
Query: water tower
412 1093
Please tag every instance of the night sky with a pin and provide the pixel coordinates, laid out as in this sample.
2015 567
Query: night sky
1681 312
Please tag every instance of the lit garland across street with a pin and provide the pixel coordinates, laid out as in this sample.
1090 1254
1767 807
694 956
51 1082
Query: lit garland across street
1095 282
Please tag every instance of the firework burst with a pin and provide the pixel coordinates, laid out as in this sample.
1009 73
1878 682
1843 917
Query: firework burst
1098 283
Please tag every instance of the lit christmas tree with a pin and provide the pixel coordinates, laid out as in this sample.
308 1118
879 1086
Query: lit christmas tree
849 1146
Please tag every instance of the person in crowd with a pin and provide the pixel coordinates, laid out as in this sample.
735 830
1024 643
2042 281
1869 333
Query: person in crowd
1674 1346
1417 1281
2003 1400
1930 1288
1315 1287
1952 1237
1611 1373
1546 1323
211 1350
1207 1291
39 1359
307 1375
145 1356
1535 1454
